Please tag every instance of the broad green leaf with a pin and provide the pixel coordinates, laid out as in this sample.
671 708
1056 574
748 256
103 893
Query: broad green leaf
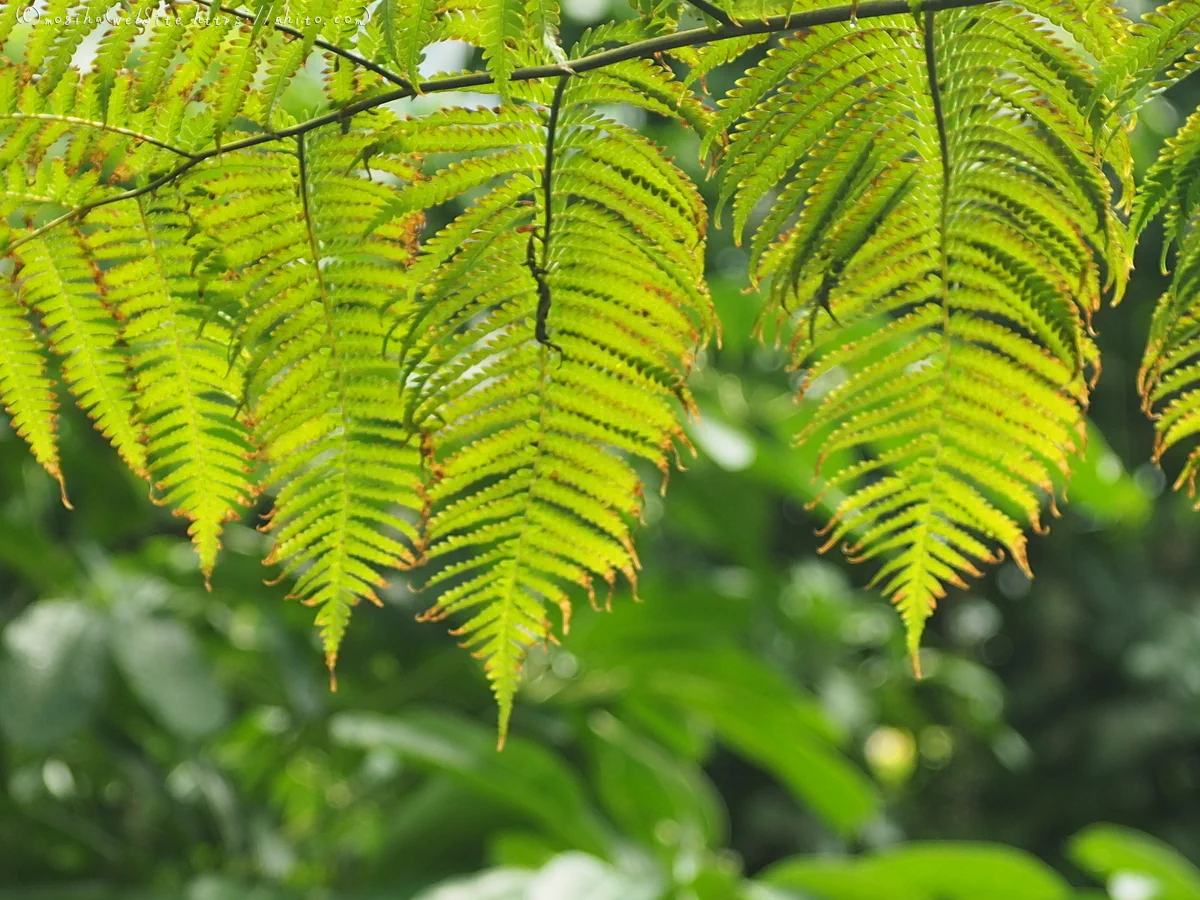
925 871
768 721
526 775
53 667
1111 852
166 669
644 788
969 871
838 879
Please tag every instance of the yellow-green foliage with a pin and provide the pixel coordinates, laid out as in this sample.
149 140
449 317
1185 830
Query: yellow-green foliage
310 273
1170 376
529 442
1169 379
938 209
234 277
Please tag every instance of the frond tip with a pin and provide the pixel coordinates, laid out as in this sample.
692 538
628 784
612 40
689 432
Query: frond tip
197 449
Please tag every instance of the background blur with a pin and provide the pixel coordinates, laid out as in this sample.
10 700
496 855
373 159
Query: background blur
158 740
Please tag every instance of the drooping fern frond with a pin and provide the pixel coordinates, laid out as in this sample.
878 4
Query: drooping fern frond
26 389
57 281
1169 379
111 290
196 446
236 313
557 318
1162 49
311 270
935 234
407 27
510 33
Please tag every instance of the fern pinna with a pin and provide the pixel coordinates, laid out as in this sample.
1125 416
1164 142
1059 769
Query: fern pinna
214 237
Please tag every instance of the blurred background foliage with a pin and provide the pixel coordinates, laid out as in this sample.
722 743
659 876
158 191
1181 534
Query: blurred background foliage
749 729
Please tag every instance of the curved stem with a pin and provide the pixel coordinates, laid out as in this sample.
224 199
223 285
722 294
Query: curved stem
548 170
100 126
542 269
935 95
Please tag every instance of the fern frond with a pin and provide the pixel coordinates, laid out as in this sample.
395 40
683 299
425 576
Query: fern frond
648 85
57 281
1097 26
1168 186
559 360
703 60
197 449
9 17
314 272
26 389
921 240
503 26
292 51
1169 379
54 143
931 203
237 62
409 26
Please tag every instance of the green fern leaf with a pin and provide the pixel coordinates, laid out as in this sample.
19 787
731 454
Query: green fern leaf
936 239
1097 26
287 54
1169 379
9 17
115 46
58 282
26 389
237 61
1155 53
409 26
197 449
238 299
531 421
200 43
1167 185
312 279
503 27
